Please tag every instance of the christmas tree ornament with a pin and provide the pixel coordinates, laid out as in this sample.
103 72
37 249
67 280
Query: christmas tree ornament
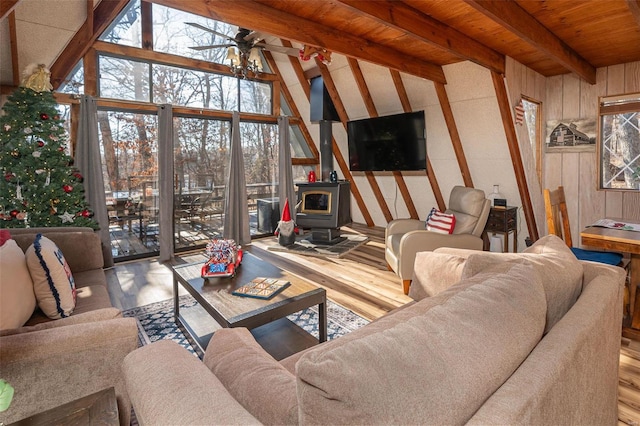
48 179
14 213
78 176
55 138
28 131
66 217
53 210
7 127
15 153
21 216
44 116
19 192
37 78
8 176
67 188
56 201
86 213
36 154
40 143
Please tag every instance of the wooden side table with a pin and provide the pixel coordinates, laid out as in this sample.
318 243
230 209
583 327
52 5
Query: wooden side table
502 221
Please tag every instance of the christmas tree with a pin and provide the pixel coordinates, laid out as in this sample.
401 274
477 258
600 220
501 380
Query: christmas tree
40 186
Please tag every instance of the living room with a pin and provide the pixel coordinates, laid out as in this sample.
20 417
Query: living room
469 97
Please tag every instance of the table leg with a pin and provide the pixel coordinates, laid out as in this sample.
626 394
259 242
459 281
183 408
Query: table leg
634 281
322 322
176 300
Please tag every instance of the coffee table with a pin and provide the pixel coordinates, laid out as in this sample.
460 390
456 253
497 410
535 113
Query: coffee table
214 296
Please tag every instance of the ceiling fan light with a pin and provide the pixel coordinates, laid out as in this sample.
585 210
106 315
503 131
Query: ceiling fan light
232 56
255 59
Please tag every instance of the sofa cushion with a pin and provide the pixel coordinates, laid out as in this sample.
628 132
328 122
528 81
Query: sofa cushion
559 269
409 367
434 272
53 282
256 380
17 300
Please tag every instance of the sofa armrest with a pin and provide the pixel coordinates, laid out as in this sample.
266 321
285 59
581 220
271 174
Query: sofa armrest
168 385
416 241
402 226
103 314
51 367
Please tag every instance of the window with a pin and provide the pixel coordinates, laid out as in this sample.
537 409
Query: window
533 121
126 29
619 142
74 84
124 79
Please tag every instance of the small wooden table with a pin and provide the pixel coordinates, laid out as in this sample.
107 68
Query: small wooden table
621 241
228 310
502 220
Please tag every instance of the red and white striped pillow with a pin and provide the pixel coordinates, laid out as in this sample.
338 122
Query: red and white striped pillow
442 223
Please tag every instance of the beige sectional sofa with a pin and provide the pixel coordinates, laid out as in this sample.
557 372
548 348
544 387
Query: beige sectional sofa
531 338
52 362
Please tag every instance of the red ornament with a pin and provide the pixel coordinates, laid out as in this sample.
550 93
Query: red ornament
40 144
14 213
56 117
61 148
44 116
67 188
86 213
8 176
78 176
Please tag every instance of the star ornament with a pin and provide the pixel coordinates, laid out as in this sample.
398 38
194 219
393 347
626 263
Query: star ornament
66 217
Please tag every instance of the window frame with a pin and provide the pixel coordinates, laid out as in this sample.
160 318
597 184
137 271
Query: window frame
613 105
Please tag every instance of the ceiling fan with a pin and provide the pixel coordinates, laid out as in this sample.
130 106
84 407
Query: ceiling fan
243 49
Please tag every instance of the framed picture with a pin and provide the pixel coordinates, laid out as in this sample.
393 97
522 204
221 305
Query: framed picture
571 135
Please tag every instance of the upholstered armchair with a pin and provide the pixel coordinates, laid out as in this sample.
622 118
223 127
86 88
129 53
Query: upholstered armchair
405 237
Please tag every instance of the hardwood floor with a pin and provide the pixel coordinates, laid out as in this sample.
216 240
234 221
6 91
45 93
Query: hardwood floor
358 281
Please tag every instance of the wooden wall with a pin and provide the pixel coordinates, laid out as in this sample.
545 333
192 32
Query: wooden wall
568 97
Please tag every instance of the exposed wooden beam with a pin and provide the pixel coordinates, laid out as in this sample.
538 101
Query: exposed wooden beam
514 150
292 105
7 6
344 167
431 175
634 7
428 30
146 15
441 91
13 40
373 112
514 18
262 17
81 42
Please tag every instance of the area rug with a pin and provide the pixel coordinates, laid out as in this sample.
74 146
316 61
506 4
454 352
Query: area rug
307 248
155 321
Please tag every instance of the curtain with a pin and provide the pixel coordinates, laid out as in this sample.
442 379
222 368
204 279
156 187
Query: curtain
88 160
165 181
286 189
236 209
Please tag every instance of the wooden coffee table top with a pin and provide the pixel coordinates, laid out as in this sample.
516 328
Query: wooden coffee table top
214 294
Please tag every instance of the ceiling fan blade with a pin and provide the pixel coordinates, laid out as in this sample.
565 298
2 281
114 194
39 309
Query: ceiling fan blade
202 27
291 51
210 47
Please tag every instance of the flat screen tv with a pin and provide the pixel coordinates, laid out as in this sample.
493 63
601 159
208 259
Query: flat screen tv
393 142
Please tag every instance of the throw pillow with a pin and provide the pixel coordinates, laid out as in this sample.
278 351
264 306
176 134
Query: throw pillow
53 282
442 223
17 301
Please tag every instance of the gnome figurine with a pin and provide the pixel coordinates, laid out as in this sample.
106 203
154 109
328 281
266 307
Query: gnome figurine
286 230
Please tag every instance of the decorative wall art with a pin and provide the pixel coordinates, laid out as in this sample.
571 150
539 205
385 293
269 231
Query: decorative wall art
571 135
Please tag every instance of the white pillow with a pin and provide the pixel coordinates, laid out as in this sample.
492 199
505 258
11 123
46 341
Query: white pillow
17 301
53 282
442 223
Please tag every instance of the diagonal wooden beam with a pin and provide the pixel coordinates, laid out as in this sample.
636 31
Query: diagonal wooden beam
344 167
514 18
261 17
514 150
428 30
13 40
373 112
7 6
431 175
634 7
441 91
82 41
